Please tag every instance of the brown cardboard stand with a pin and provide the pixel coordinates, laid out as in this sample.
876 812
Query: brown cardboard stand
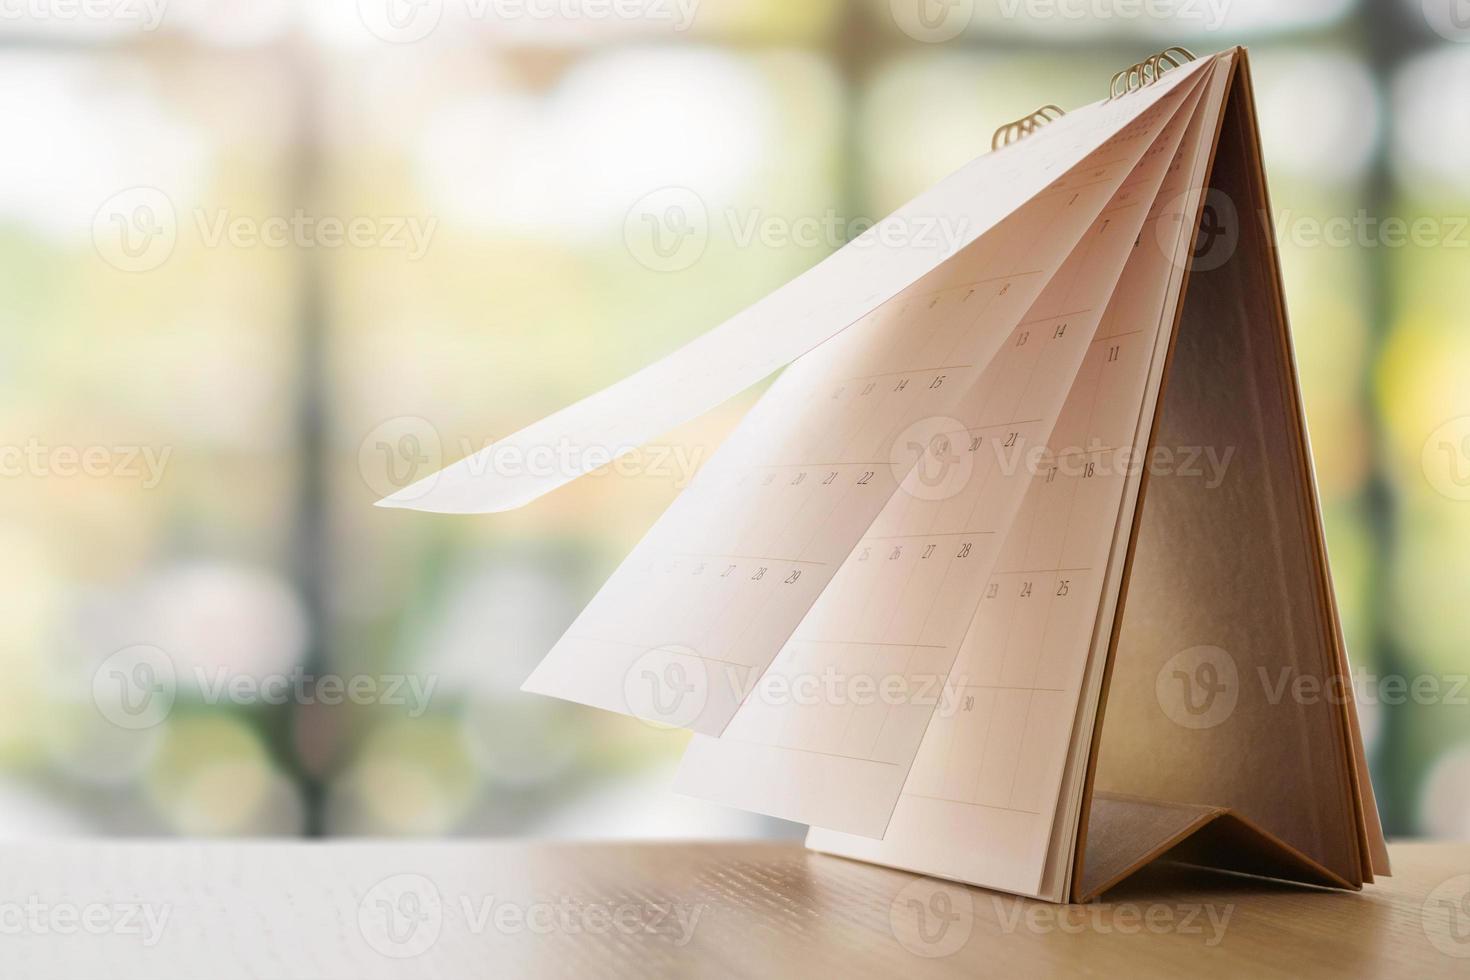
1243 751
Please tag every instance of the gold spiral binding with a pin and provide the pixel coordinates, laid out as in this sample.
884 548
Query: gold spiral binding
1148 71
1132 78
1026 125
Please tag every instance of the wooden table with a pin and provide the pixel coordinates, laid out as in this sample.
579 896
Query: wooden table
510 909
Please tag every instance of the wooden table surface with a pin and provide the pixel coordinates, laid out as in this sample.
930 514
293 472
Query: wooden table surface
515 909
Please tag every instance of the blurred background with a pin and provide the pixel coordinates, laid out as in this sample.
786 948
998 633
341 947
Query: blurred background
265 261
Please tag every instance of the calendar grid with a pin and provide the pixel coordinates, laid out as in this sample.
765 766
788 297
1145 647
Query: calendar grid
1020 665
897 607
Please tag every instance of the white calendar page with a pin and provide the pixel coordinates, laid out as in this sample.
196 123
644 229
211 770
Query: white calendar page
794 319
828 736
694 616
993 794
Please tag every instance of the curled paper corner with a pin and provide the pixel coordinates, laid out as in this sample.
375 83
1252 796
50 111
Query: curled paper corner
411 497
434 493
461 488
